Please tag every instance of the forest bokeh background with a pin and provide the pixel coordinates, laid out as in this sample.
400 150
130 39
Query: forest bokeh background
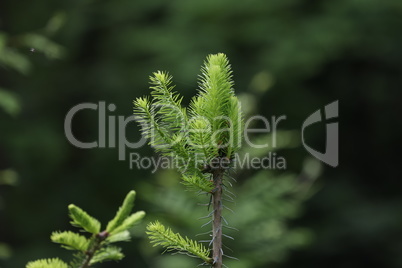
289 57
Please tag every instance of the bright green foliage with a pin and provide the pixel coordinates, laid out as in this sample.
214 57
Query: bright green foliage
218 104
96 248
129 222
160 235
209 128
196 182
47 263
119 237
122 213
70 240
164 120
110 253
82 219
199 139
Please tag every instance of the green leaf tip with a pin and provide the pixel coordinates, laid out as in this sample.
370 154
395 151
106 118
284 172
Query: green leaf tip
129 222
119 237
70 240
47 263
110 253
123 212
81 219
195 182
165 237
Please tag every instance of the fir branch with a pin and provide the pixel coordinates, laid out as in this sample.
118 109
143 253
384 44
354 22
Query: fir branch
200 138
47 263
122 213
118 237
159 138
197 182
165 237
110 253
163 120
96 248
168 102
70 240
81 219
216 88
129 222
236 126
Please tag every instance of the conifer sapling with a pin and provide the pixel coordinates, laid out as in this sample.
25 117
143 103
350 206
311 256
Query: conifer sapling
202 140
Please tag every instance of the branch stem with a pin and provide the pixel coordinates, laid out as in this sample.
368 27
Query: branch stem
96 245
217 219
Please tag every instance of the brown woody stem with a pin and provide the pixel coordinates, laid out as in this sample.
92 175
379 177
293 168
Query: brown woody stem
96 245
217 219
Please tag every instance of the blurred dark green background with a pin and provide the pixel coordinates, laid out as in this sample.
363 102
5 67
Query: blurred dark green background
289 57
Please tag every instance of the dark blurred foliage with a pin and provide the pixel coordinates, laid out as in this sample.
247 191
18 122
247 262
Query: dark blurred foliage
289 58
